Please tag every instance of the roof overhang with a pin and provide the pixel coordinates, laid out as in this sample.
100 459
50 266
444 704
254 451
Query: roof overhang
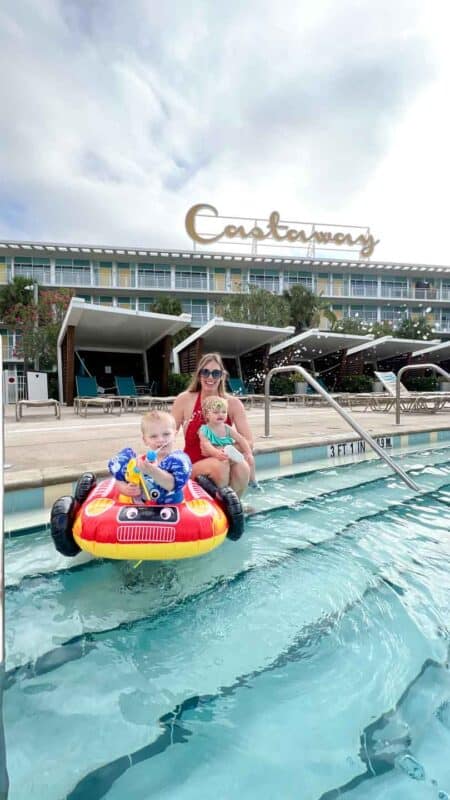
231 339
316 343
437 352
389 347
118 329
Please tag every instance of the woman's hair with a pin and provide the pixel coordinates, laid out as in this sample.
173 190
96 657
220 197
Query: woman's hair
195 385
156 416
214 403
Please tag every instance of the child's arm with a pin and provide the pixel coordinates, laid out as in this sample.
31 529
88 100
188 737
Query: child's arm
118 467
209 450
160 476
241 443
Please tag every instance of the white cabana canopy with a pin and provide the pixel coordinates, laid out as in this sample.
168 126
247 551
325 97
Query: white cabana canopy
316 343
389 347
111 328
435 353
115 329
231 339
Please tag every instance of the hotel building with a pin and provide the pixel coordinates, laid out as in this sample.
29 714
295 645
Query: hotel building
134 278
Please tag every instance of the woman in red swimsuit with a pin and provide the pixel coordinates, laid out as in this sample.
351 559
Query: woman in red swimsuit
208 380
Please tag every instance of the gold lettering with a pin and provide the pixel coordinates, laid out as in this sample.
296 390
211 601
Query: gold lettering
292 235
370 246
190 224
274 225
322 237
257 233
339 238
276 231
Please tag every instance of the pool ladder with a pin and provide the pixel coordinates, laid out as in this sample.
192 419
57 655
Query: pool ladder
343 413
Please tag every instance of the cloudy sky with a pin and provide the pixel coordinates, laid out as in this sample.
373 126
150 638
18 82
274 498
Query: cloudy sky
118 115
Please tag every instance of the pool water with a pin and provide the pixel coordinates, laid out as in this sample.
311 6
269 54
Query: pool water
309 660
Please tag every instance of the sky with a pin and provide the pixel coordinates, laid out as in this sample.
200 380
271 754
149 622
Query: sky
118 115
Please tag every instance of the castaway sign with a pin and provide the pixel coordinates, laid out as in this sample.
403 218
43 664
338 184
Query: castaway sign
276 231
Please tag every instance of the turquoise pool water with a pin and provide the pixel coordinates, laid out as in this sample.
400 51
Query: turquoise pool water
308 661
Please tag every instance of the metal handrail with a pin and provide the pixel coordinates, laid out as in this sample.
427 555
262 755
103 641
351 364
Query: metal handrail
344 414
4 781
434 367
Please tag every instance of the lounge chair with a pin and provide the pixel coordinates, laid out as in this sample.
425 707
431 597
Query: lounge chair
239 389
409 401
127 390
88 395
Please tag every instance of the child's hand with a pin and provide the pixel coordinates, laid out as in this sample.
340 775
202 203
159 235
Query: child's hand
218 453
128 489
145 466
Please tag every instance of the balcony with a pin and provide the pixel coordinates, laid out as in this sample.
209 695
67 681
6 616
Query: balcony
191 282
148 281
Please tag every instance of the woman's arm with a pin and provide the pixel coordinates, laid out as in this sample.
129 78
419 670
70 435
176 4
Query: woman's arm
238 416
241 441
178 409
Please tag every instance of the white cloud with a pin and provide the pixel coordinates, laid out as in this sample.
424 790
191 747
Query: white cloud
116 118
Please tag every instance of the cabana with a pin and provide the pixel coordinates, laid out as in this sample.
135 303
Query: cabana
321 352
238 343
108 341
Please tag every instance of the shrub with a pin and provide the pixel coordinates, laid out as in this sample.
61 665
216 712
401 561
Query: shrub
178 382
355 383
282 384
421 383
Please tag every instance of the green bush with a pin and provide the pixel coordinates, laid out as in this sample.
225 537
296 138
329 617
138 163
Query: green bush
421 383
178 382
355 383
282 384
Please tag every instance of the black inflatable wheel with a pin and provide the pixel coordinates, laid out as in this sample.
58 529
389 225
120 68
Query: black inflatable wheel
209 486
232 507
230 503
61 521
85 484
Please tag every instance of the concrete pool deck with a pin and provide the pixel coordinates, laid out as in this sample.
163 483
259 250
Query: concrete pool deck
43 451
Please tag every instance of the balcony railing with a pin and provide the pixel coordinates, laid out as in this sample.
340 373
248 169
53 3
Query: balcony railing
194 282
153 281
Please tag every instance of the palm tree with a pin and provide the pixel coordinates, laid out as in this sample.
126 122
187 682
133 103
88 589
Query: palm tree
306 308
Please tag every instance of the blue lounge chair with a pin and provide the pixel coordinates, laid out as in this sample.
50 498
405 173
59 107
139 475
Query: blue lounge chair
88 395
127 390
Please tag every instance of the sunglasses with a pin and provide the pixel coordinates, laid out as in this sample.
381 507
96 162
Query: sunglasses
214 373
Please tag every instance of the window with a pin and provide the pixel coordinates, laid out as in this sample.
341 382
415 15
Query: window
191 278
294 278
37 269
363 287
394 287
393 314
270 281
153 276
145 303
198 309
72 272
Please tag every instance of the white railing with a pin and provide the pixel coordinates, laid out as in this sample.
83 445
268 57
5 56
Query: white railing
153 281
343 413
194 282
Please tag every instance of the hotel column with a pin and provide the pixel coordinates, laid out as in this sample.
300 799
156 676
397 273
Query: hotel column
52 271
172 276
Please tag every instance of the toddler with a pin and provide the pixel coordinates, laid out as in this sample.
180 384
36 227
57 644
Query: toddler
164 471
218 439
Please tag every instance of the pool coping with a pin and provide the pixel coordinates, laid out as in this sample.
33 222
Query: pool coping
37 489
